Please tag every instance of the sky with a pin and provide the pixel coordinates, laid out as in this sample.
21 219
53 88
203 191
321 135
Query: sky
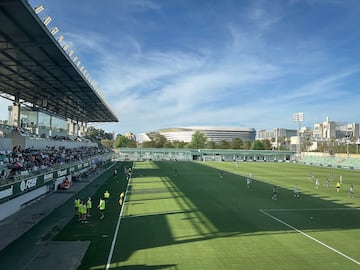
250 64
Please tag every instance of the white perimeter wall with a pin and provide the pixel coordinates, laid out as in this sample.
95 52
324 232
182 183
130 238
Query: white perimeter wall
14 205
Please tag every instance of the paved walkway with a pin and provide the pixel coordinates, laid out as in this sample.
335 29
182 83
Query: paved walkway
40 250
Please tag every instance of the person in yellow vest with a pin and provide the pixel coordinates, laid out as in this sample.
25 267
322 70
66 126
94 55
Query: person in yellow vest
88 206
83 212
337 186
121 198
106 195
101 207
76 206
80 209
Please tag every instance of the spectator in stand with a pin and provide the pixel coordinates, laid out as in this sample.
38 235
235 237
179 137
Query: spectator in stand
30 159
67 183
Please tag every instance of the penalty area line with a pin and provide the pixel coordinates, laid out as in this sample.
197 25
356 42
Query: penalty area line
117 228
310 237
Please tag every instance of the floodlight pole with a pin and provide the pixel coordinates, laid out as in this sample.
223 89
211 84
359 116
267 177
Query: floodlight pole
298 118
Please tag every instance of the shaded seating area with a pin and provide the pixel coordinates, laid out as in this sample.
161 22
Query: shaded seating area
20 163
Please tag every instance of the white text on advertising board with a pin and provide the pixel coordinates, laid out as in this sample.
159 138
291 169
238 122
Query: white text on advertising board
48 177
28 183
6 192
62 173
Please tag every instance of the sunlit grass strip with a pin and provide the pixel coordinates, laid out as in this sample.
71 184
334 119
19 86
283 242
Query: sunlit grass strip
310 237
117 228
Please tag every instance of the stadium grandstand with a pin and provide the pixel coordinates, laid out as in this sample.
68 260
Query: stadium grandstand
215 134
54 99
335 161
52 94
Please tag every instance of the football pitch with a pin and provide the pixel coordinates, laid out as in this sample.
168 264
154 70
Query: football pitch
183 215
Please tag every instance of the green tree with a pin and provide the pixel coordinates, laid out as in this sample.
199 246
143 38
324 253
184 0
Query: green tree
321 146
149 144
98 134
307 144
92 133
108 136
258 145
236 143
168 144
282 143
267 144
159 141
198 140
332 147
107 143
122 142
247 145
223 144
179 144
211 145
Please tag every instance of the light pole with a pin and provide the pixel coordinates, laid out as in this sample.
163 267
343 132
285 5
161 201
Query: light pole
347 144
298 118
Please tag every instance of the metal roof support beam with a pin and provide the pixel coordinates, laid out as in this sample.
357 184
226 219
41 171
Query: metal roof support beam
38 9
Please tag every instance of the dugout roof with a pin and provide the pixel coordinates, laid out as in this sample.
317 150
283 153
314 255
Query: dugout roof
35 68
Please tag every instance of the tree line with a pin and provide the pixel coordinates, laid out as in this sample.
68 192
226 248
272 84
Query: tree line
198 141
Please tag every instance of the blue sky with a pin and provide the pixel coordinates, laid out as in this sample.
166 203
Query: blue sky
234 63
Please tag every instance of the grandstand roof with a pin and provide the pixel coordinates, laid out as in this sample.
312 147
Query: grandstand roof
34 67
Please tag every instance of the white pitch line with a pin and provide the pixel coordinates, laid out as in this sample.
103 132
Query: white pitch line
117 228
308 209
310 237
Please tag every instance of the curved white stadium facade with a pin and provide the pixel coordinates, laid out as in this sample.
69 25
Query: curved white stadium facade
215 134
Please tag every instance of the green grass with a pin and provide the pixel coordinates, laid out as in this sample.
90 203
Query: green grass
99 232
195 220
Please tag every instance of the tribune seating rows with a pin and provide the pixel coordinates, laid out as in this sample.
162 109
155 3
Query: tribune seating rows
25 162
342 162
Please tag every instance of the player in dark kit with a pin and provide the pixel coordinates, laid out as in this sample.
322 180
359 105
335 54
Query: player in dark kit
275 192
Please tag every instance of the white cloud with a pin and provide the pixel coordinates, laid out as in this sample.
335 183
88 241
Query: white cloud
265 14
322 88
142 5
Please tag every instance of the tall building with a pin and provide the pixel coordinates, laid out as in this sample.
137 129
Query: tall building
344 130
325 130
143 137
335 130
215 134
277 136
129 135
